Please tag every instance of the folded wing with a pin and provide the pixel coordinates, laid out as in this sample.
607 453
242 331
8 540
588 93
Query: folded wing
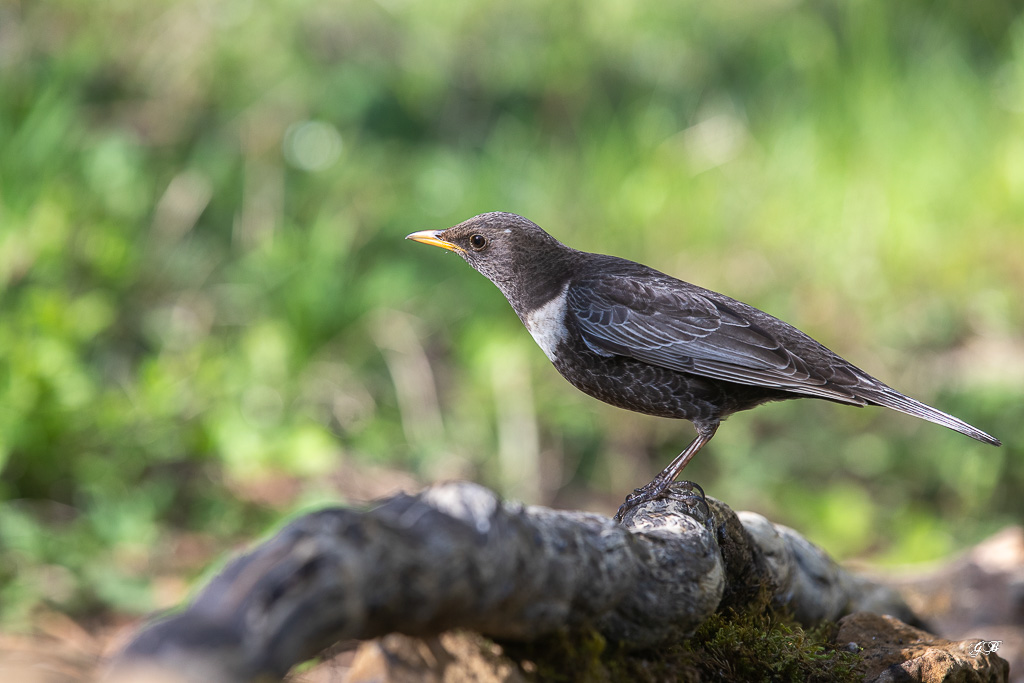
689 329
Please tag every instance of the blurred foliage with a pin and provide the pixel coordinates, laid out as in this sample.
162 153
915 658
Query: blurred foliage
204 291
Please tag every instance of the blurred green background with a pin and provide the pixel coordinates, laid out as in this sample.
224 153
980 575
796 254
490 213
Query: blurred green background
209 318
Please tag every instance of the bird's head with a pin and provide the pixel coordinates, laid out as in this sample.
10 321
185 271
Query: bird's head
511 251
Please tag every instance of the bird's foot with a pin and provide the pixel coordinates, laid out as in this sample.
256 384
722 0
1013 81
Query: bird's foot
659 489
693 495
638 497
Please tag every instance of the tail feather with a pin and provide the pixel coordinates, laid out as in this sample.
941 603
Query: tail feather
890 398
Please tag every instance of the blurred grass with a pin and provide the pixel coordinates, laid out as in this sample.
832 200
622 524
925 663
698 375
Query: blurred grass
205 296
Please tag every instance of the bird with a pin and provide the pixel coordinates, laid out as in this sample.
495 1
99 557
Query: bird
636 338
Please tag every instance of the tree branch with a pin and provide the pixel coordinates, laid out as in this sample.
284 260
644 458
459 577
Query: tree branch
454 555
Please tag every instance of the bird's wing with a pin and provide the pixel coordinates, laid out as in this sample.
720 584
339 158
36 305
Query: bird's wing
675 325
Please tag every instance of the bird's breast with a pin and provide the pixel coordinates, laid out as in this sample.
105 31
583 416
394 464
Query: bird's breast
546 324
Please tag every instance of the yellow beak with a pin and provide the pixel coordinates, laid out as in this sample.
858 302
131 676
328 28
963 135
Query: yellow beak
431 237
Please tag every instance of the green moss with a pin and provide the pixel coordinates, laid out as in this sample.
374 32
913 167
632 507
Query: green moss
727 647
768 648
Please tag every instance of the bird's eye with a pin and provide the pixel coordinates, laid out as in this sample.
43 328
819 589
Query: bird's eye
478 242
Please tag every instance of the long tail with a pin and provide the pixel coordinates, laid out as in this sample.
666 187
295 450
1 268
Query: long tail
890 398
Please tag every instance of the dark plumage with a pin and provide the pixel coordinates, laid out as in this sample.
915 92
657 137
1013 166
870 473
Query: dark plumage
636 338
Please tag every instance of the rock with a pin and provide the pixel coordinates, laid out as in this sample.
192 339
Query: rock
978 595
895 652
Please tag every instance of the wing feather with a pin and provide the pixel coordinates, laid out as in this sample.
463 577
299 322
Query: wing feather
675 325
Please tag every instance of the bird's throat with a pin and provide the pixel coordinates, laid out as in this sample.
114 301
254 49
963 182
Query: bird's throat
546 323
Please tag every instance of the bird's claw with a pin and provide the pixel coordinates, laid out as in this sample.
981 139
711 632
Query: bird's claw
632 500
701 497
653 491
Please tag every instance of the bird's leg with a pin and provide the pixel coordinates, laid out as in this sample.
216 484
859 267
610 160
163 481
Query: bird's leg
660 483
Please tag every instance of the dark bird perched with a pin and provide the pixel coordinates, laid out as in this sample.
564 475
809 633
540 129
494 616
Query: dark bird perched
639 339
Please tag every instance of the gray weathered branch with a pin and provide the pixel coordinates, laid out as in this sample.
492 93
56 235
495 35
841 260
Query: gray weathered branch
455 555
